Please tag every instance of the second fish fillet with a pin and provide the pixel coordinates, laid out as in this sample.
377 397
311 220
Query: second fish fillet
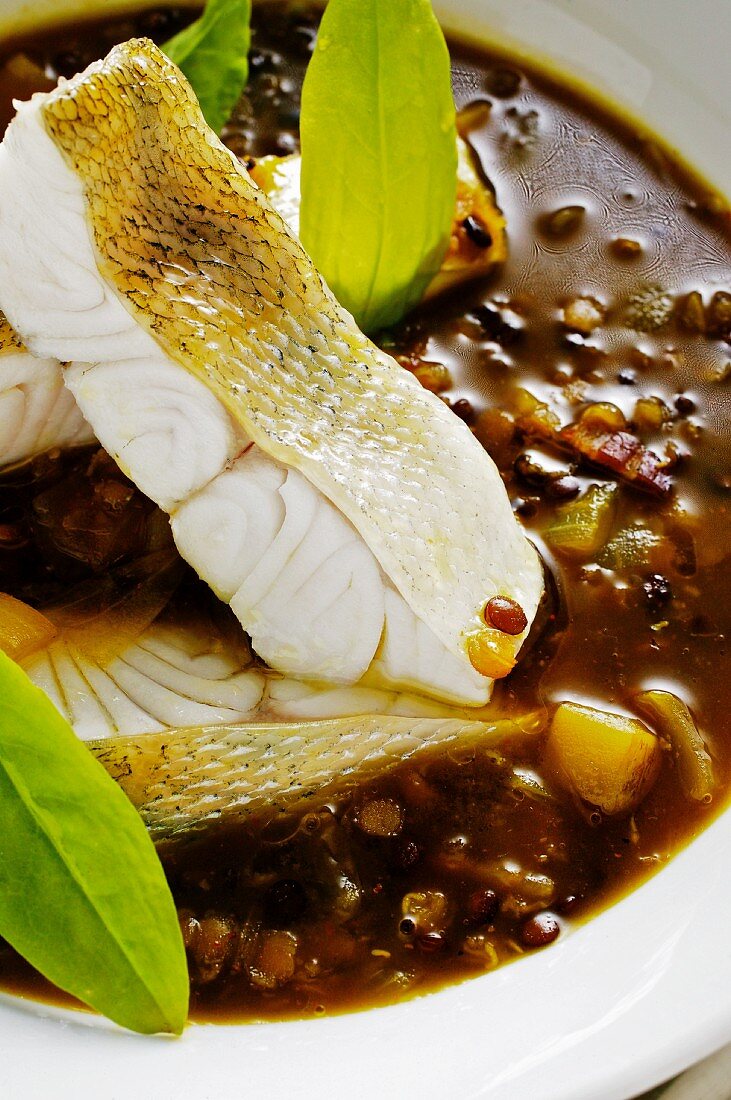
37 412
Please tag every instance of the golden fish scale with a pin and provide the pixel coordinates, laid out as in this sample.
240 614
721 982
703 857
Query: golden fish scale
9 339
198 256
183 780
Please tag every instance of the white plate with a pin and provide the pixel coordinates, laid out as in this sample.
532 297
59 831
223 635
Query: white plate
626 1001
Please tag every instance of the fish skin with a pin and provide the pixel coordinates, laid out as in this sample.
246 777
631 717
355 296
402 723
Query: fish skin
192 257
37 412
183 781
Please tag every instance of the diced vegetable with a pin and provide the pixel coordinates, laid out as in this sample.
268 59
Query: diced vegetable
604 416
527 783
83 896
495 430
23 630
213 53
689 312
599 436
650 414
583 315
606 759
433 376
631 547
522 891
478 948
674 721
425 910
534 416
719 316
583 526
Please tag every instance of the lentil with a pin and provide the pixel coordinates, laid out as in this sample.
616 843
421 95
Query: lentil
506 615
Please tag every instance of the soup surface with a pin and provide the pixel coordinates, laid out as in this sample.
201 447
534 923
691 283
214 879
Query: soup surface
599 355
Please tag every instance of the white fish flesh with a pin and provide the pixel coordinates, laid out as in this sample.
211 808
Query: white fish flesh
184 781
166 678
189 674
37 411
355 525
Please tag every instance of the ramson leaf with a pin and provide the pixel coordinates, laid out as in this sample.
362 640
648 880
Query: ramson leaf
213 54
83 896
379 154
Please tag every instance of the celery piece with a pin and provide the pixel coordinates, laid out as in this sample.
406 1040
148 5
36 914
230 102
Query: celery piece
630 548
583 526
675 722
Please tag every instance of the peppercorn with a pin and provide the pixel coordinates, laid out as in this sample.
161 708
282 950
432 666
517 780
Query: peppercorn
530 471
499 324
502 82
568 904
464 410
657 591
563 488
684 404
476 231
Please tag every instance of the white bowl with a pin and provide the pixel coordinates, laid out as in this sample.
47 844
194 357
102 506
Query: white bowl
622 1003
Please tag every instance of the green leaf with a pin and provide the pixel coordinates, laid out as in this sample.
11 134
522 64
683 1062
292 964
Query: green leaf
379 159
213 54
83 896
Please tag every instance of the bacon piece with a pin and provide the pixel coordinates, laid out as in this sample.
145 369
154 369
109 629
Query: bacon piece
618 451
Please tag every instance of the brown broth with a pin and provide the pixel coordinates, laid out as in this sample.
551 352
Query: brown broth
313 922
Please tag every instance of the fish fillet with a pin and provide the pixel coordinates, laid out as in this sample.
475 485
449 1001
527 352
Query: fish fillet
37 412
181 782
187 674
215 366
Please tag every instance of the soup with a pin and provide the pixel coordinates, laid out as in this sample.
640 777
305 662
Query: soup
593 366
